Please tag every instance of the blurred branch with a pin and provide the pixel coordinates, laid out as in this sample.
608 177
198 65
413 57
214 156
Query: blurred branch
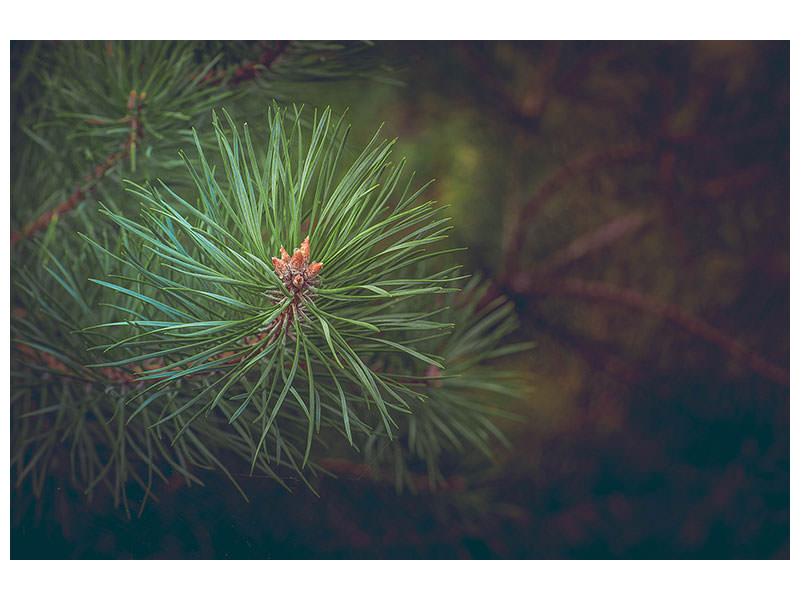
529 110
609 294
560 178
528 113
667 145
632 151
601 237
743 179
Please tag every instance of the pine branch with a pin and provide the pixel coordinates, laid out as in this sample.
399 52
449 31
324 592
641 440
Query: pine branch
185 310
580 166
249 70
134 106
518 281
241 73
595 240
622 297
592 161
213 265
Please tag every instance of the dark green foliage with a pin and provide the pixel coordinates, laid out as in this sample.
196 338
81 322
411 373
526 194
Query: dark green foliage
161 338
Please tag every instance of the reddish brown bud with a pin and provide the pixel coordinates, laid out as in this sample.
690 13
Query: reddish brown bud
294 270
305 249
298 263
313 270
280 266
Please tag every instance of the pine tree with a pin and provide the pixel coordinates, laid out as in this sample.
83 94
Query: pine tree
206 274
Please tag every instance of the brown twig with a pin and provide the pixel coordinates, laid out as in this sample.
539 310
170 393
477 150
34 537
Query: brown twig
250 70
57 367
606 293
601 237
726 185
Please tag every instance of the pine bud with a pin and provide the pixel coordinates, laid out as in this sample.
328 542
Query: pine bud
313 270
294 271
305 249
280 267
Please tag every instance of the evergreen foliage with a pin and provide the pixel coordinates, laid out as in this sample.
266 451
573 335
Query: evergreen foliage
167 335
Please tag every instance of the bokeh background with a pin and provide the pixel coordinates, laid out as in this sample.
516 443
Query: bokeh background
632 199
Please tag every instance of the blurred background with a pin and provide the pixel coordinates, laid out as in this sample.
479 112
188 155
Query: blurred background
632 199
